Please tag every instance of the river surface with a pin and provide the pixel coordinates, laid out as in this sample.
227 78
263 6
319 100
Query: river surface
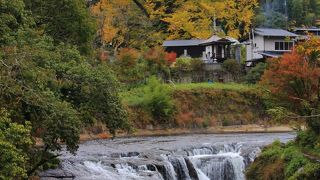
186 157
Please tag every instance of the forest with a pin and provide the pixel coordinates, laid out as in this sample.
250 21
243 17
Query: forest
66 65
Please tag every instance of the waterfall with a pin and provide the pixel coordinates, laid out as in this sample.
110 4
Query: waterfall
163 159
208 162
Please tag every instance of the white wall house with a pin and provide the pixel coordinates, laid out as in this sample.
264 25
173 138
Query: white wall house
266 42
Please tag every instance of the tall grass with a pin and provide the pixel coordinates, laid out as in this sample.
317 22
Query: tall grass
218 86
195 86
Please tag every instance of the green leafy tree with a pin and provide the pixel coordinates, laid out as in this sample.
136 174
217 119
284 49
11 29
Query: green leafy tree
67 21
12 18
58 91
15 141
254 75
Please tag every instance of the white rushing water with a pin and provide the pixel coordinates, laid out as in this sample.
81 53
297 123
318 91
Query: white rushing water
199 157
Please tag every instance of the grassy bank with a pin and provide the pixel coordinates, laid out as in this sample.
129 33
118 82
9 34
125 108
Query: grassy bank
200 105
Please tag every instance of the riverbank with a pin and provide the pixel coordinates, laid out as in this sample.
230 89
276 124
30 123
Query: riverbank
184 131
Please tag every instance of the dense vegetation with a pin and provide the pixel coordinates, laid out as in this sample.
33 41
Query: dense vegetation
295 80
288 13
64 64
48 89
165 105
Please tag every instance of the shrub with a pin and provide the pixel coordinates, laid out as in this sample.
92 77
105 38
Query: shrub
171 57
309 171
307 139
254 75
232 67
127 57
155 55
280 161
155 98
183 64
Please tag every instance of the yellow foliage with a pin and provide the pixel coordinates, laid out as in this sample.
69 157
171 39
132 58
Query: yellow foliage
112 20
195 19
190 20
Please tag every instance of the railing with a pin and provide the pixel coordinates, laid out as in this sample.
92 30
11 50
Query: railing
222 56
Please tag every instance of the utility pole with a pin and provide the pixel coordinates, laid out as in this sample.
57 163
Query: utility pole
286 13
214 24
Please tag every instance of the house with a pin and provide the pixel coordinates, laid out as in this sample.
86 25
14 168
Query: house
304 32
213 50
268 43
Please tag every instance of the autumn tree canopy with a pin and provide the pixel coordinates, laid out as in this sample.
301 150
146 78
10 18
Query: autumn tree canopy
295 78
123 22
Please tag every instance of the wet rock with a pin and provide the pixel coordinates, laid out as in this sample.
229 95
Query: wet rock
192 170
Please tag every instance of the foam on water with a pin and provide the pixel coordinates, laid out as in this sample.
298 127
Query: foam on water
223 160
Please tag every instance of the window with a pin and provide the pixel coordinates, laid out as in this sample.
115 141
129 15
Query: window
283 46
286 46
277 46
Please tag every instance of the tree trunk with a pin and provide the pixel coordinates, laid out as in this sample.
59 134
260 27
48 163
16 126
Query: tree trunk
142 8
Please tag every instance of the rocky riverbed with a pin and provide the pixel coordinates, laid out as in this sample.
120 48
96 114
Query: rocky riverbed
187 157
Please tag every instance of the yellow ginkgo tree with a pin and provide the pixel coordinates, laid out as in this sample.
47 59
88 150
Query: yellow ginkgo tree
112 21
194 19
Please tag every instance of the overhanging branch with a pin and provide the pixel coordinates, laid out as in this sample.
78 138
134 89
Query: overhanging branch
142 8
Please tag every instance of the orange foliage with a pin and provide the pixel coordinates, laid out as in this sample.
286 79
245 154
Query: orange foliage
155 55
104 136
296 74
171 57
128 57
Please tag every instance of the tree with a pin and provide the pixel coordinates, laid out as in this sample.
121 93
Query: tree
67 21
58 91
15 141
120 24
189 21
194 19
12 18
298 12
296 78
254 75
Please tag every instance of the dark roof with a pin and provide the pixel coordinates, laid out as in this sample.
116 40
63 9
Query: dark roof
194 42
274 32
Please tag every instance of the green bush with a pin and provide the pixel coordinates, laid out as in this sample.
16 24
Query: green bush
155 98
183 64
254 75
268 165
309 171
295 160
307 139
232 67
283 161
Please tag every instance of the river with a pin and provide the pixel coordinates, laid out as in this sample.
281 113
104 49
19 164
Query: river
185 157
